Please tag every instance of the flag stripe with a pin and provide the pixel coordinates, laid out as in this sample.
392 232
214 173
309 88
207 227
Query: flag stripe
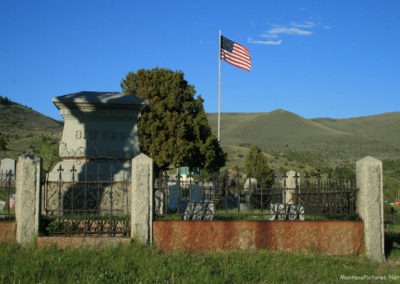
244 64
235 54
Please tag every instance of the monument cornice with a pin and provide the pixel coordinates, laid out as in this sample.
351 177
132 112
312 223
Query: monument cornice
90 101
99 113
99 124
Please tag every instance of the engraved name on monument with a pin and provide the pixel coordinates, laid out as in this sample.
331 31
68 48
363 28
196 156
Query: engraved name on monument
99 124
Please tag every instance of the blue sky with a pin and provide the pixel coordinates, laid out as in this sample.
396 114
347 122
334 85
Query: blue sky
337 59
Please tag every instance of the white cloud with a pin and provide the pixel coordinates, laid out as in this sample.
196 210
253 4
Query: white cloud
265 42
306 25
269 35
277 31
288 31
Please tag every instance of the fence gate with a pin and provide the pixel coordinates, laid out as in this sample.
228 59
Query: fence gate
85 200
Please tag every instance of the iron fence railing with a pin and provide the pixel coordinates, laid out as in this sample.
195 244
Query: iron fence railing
85 207
392 218
7 195
225 199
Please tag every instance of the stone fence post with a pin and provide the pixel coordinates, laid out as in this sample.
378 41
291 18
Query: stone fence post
370 206
27 198
142 199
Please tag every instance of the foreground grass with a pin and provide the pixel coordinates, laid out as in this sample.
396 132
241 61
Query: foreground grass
135 263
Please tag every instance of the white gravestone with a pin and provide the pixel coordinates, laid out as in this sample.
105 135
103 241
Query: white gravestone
250 187
7 166
159 202
289 196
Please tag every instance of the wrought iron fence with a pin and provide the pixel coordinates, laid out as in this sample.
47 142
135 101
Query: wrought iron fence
392 215
75 204
311 198
7 195
392 219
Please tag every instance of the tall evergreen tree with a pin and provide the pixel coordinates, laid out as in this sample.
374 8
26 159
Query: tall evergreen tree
256 166
173 129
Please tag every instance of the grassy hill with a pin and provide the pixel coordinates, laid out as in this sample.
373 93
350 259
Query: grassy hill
23 130
315 141
289 139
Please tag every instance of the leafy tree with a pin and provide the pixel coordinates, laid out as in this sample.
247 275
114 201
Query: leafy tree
214 157
5 101
48 151
256 166
173 128
345 172
3 143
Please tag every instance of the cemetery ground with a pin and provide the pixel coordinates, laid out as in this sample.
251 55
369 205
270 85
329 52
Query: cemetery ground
137 263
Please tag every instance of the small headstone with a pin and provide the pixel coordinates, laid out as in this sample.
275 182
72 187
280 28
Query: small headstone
196 193
250 186
7 168
174 196
159 202
2 205
2 209
12 201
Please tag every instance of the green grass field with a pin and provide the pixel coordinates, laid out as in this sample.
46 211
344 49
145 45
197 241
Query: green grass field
140 264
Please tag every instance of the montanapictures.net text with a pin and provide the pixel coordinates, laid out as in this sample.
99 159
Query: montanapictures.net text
370 277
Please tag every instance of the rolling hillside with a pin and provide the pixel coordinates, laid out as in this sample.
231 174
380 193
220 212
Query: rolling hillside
333 140
23 130
285 136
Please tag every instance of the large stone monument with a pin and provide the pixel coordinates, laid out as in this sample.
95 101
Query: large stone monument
98 143
100 127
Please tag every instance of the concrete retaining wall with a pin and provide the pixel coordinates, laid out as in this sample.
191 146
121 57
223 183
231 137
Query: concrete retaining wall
328 237
80 242
7 231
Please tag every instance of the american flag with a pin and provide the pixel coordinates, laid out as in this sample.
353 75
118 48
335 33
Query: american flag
235 54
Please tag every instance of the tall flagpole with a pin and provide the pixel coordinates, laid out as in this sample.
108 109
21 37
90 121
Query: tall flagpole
219 88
